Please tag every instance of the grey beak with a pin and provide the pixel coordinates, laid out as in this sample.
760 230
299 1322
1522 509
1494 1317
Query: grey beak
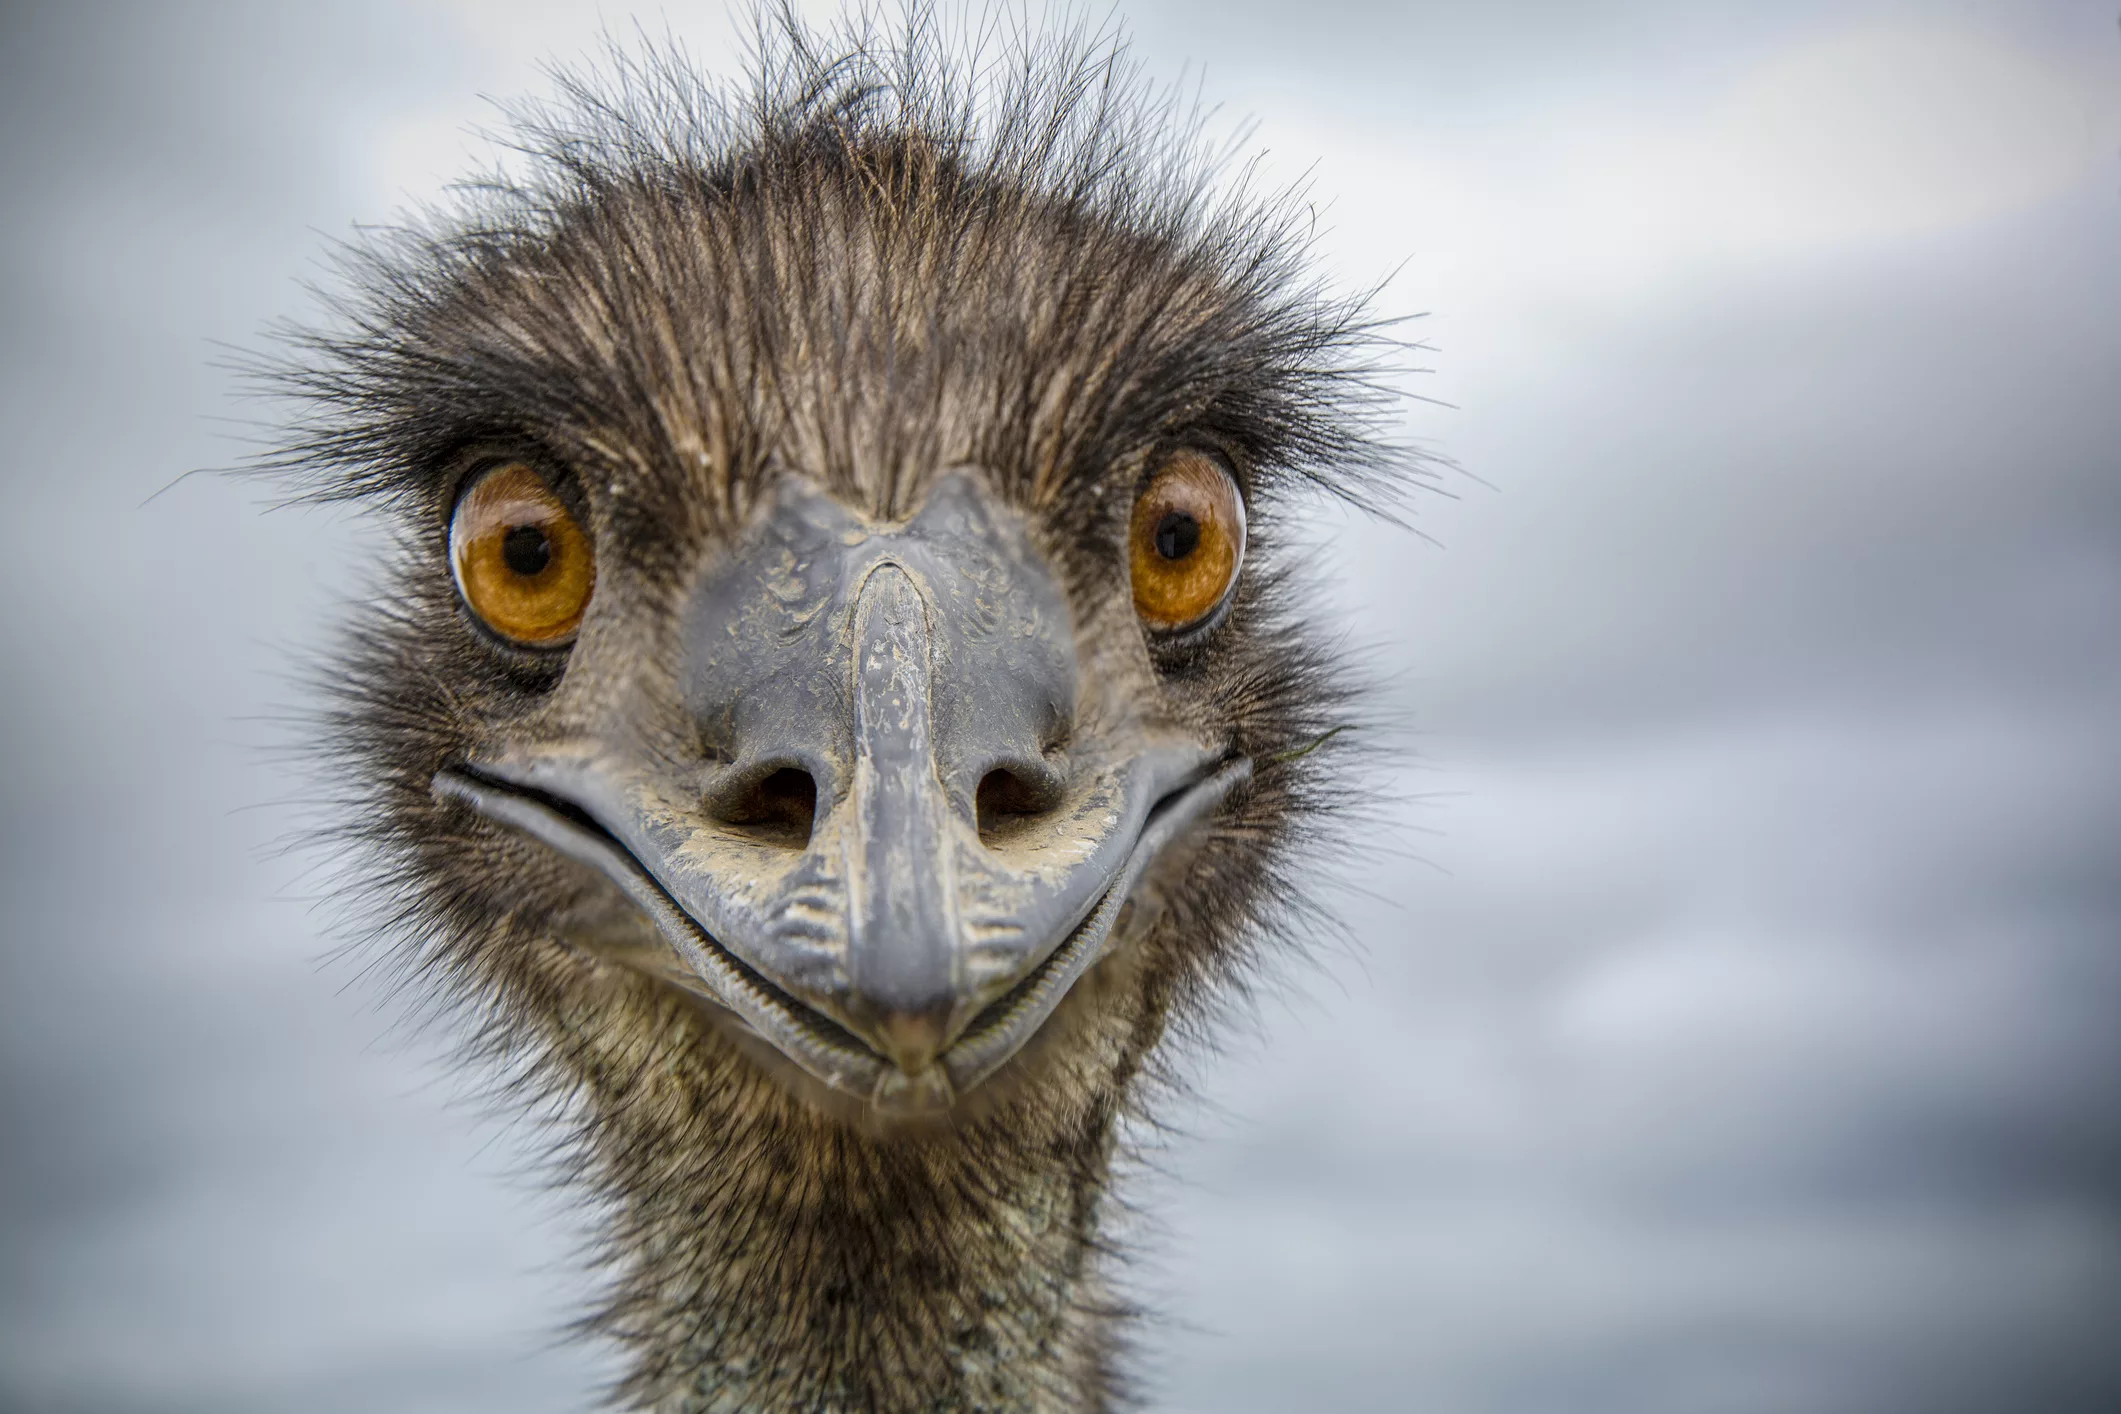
862 692
905 923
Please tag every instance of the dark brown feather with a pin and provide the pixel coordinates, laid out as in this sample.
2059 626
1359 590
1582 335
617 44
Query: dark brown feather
865 265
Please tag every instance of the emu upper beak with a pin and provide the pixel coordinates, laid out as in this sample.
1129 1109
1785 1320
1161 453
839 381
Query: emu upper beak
899 848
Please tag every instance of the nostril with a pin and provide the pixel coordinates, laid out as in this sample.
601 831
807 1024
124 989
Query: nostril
778 808
1007 800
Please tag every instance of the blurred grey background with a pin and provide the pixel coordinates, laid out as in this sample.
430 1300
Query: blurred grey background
1733 1021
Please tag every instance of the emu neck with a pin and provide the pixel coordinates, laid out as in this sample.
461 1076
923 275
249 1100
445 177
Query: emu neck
772 1258
870 1283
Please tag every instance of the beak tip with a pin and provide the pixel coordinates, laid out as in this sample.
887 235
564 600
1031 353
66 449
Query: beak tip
911 1040
901 1092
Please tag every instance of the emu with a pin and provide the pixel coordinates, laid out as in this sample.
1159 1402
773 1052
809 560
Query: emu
840 700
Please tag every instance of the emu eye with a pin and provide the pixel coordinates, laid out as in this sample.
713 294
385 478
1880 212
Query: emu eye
521 560
1186 542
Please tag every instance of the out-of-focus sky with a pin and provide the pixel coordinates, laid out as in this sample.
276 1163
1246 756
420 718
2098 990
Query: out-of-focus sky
1735 1024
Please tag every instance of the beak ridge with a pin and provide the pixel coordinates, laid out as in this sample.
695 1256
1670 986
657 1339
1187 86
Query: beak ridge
903 925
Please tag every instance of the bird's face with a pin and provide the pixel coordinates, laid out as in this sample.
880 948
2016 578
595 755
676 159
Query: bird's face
844 596
875 789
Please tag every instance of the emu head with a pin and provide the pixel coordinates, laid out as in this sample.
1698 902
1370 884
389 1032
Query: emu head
840 645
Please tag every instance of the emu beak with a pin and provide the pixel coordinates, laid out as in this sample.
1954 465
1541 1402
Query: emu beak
900 848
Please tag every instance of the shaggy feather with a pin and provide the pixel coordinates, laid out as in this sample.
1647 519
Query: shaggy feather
875 260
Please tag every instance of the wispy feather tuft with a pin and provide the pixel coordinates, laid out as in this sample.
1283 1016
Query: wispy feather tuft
876 257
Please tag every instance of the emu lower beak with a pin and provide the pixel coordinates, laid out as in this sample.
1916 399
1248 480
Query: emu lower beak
900 851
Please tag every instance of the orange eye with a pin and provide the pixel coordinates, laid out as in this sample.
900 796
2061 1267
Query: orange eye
521 560
1186 542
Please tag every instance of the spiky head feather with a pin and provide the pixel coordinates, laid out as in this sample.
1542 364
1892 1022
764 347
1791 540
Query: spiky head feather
875 260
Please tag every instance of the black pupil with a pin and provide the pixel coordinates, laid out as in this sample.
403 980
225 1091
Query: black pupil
1177 535
526 550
